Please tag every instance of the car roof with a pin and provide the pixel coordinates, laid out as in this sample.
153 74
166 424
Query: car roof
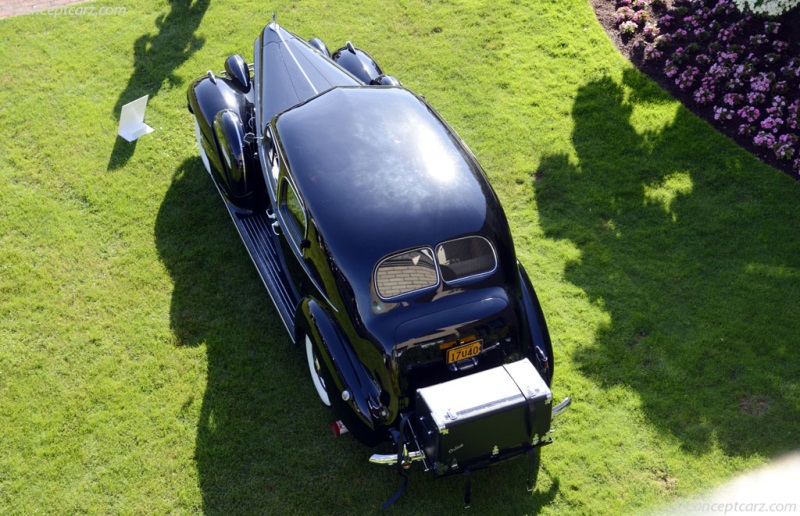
379 171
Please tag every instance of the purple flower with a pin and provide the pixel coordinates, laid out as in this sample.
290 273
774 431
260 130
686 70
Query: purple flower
733 99
772 123
756 97
749 113
784 148
779 46
652 53
764 139
760 83
780 87
703 95
723 113
772 27
687 77
670 69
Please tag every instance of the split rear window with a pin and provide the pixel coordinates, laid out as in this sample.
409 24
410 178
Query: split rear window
420 269
406 272
465 258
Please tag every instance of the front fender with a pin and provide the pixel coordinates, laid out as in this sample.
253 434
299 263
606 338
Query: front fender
541 352
224 112
342 372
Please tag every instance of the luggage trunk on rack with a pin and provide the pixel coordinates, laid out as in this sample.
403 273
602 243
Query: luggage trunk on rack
474 421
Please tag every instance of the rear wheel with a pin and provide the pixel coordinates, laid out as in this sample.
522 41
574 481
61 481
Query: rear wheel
314 367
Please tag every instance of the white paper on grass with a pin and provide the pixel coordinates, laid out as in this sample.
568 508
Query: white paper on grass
131 120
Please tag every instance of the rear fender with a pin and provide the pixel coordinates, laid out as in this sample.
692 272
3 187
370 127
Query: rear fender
343 372
541 351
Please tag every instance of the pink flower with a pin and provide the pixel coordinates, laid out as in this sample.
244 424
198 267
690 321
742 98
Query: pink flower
651 31
623 14
628 27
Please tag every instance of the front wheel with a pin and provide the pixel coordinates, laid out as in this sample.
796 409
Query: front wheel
314 367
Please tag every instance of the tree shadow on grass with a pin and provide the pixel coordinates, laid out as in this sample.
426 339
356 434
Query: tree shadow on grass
694 256
263 443
155 60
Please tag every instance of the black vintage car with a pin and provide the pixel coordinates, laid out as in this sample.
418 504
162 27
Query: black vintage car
385 251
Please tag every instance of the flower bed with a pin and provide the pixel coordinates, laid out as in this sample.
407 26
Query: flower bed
735 68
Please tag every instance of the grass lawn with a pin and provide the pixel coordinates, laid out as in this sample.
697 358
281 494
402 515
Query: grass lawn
144 370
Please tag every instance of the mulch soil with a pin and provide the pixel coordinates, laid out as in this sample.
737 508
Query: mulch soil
632 48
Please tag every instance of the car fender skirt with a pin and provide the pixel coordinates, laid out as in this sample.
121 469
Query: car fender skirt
229 132
223 109
343 372
540 350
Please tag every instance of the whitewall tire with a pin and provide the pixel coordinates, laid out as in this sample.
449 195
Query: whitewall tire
314 368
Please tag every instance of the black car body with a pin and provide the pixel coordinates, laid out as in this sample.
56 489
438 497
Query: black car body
382 244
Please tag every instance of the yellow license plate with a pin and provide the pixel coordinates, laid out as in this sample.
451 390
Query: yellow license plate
466 351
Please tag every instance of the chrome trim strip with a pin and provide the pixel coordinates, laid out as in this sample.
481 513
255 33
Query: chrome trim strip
561 407
391 459
275 29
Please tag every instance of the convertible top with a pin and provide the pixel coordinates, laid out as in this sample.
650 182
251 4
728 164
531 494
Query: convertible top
379 171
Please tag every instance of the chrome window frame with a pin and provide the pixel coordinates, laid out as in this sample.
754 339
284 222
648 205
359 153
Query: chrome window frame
471 276
399 297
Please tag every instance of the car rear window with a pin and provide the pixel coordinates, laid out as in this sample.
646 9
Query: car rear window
465 257
406 272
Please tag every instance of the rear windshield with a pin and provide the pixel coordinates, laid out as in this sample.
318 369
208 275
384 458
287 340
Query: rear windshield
406 272
465 258
419 269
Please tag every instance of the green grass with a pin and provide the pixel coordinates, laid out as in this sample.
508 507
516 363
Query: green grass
144 370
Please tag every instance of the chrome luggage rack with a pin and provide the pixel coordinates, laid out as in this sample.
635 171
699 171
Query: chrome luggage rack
403 458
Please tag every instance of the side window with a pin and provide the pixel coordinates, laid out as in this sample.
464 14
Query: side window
273 159
292 211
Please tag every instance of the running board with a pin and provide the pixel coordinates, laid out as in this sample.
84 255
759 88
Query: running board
255 230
